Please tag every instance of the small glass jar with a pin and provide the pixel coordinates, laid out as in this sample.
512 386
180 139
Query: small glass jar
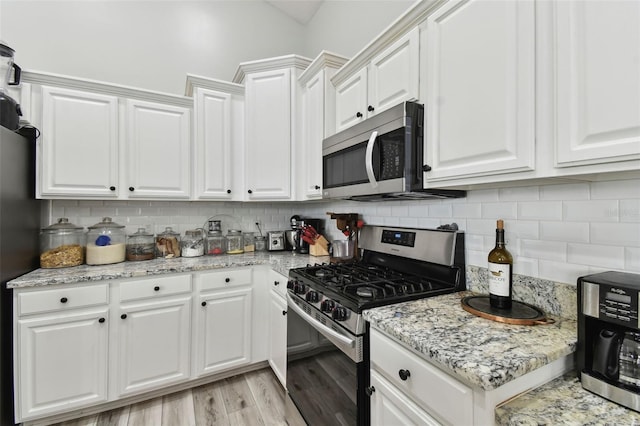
140 246
261 243
168 244
193 243
62 245
249 242
216 243
105 243
235 244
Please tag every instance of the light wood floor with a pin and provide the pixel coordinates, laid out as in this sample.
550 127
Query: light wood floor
254 398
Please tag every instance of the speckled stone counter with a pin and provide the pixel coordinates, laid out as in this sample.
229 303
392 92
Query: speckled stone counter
279 261
479 351
563 401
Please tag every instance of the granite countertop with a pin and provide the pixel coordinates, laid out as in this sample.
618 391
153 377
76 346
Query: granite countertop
279 261
480 351
564 401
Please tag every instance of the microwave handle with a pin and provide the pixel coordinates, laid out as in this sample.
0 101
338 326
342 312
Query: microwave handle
369 160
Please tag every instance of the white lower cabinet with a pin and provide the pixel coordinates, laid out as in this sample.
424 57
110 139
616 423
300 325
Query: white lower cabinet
278 326
152 334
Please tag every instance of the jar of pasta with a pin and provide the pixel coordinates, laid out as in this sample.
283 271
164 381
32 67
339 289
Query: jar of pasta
62 244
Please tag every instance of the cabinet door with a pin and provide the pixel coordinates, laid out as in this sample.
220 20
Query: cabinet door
313 127
351 100
394 74
78 147
278 337
389 406
61 362
598 82
223 338
158 150
268 159
480 89
154 343
212 154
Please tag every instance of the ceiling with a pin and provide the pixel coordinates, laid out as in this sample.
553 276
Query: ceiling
300 10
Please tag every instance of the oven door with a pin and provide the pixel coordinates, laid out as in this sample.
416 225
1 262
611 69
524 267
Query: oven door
325 383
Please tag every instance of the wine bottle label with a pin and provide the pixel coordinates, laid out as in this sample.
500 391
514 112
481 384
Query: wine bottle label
499 279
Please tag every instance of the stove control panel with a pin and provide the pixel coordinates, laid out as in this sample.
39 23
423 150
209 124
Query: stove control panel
399 238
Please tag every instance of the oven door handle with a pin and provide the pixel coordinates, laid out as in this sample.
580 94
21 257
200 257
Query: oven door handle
318 325
369 159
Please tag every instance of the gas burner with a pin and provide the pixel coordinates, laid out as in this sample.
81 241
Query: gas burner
321 273
366 291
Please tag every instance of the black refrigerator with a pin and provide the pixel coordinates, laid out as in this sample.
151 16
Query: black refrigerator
20 216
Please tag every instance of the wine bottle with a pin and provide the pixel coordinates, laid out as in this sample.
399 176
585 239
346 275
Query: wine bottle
500 272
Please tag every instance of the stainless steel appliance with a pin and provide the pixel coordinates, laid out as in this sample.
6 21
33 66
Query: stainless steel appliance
19 244
9 109
608 353
275 241
327 338
381 158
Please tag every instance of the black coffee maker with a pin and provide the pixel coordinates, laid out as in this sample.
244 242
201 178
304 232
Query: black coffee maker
9 109
608 352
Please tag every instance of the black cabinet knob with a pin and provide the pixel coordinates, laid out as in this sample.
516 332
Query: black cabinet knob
404 374
112 188
276 283
370 390
284 312
204 303
156 288
370 108
226 280
317 187
228 191
64 300
426 168
358 114
131 188
123 316
101 320
250 191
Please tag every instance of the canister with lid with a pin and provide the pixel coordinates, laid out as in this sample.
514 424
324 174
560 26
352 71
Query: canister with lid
216 243
168 244
62 244
249 242
105 243
193 243
140 246
235 244
261 243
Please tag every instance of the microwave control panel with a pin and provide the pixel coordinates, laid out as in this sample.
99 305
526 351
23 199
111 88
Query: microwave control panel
611 303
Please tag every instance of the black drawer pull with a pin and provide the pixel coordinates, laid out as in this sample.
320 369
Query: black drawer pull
276 283
131 188
204 303
101 320
370 390
226 280
228 191
404 374
123 316
156 288
64 300
284 312
112 188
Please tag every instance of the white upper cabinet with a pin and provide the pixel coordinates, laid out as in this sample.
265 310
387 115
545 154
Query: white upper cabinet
78 146
158 150
597 74
391 77
479 89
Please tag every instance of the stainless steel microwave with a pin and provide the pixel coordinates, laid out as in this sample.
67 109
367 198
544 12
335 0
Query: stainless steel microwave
381 158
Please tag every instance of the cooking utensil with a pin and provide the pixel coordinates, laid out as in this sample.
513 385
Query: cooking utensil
343 249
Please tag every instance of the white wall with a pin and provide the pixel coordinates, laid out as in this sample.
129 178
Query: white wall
154 44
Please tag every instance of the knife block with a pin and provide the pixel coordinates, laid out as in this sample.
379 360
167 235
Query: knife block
320 248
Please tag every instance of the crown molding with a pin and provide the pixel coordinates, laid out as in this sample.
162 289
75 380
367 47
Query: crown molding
194 81
287 61
324 60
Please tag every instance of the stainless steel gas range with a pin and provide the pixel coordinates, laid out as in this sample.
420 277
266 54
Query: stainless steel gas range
327 338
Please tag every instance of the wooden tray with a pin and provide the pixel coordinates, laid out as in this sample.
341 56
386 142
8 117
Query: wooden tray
519 314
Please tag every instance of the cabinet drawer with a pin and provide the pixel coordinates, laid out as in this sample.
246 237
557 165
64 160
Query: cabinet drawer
156 286
225 278
62 298
278 283
433 389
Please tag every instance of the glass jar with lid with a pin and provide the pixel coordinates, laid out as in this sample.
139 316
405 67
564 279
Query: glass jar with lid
140 246
168 244
249 242
193 243
216 243
105 243
235 243
62 245
261 243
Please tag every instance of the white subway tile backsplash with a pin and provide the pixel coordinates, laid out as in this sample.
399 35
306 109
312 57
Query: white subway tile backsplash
441 210
599 256
575 232
561 271
616 190
429 223
525 266
618 234
468 210
550 250
384 210
522 229
477 258
629 210
525 193
591 211
409 222
400 210
572 191
632 259
391 221
540 210
474 242
418 210
483 195
501 210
